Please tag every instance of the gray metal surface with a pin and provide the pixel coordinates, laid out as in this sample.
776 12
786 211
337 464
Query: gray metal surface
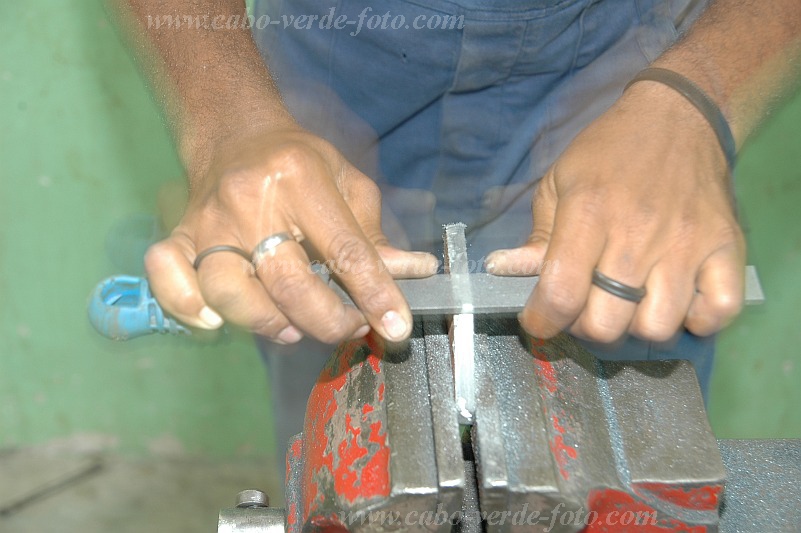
658 413
413 468
495 294
253 520
556 427
763 492
447 442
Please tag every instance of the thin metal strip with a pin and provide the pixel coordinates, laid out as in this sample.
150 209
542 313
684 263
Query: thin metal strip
496 294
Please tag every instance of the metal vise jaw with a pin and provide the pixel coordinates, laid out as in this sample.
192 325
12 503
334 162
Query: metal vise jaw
560 442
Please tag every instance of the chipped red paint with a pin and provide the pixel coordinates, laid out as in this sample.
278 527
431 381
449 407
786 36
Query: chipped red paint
346 480
296 448
704 498
561 453
366 410
291 518
354 482
327 524
544 369
612 505
355 465
558 427
543 365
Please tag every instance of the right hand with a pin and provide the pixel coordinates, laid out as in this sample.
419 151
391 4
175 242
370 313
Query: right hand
285 180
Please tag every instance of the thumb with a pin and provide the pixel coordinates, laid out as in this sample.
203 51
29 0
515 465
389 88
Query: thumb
528 259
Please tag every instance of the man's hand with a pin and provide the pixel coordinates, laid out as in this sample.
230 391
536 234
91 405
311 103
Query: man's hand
285 180
643 195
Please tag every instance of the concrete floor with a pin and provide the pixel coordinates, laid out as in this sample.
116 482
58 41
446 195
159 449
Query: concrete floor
47 489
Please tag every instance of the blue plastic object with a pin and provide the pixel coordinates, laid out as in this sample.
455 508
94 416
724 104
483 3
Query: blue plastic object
122 308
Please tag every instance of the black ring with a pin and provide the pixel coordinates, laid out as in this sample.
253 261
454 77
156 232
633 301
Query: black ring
221 248
615 288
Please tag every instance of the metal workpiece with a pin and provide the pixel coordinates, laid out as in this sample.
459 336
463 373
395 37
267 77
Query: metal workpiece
461 325
491 294
252 520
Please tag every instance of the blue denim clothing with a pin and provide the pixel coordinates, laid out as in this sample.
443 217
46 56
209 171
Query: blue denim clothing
458 124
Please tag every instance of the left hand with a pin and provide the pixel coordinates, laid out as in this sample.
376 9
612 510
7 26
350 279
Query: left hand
643 194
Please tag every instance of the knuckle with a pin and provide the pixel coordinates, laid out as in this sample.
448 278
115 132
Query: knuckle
654 329
292 159
158 257
725 304
367 189
350 254
603 331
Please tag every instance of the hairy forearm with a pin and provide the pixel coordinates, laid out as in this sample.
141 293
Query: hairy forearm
746 54
209 78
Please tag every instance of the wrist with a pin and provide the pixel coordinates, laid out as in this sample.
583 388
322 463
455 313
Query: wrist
204 138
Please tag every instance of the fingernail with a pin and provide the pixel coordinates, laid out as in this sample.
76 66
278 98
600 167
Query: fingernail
395 326
210 319
492 261
290 335
361 332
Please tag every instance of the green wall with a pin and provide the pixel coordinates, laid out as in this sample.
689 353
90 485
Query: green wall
83 154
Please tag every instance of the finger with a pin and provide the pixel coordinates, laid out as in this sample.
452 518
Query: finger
406 265
574 246
354 259
304 298
606 317
661 313
528 259
719 296
174 283
229 287
364 199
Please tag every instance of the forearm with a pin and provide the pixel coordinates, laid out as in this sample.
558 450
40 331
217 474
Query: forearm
209 78
746 54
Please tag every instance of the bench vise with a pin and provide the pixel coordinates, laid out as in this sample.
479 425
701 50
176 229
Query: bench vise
472 426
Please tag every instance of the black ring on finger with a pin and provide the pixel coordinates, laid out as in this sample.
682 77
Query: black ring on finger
615 288
221 248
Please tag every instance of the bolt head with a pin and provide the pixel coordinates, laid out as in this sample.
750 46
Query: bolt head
252 498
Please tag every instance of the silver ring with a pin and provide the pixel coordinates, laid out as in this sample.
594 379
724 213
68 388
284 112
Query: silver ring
221 248
268 245
615 288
